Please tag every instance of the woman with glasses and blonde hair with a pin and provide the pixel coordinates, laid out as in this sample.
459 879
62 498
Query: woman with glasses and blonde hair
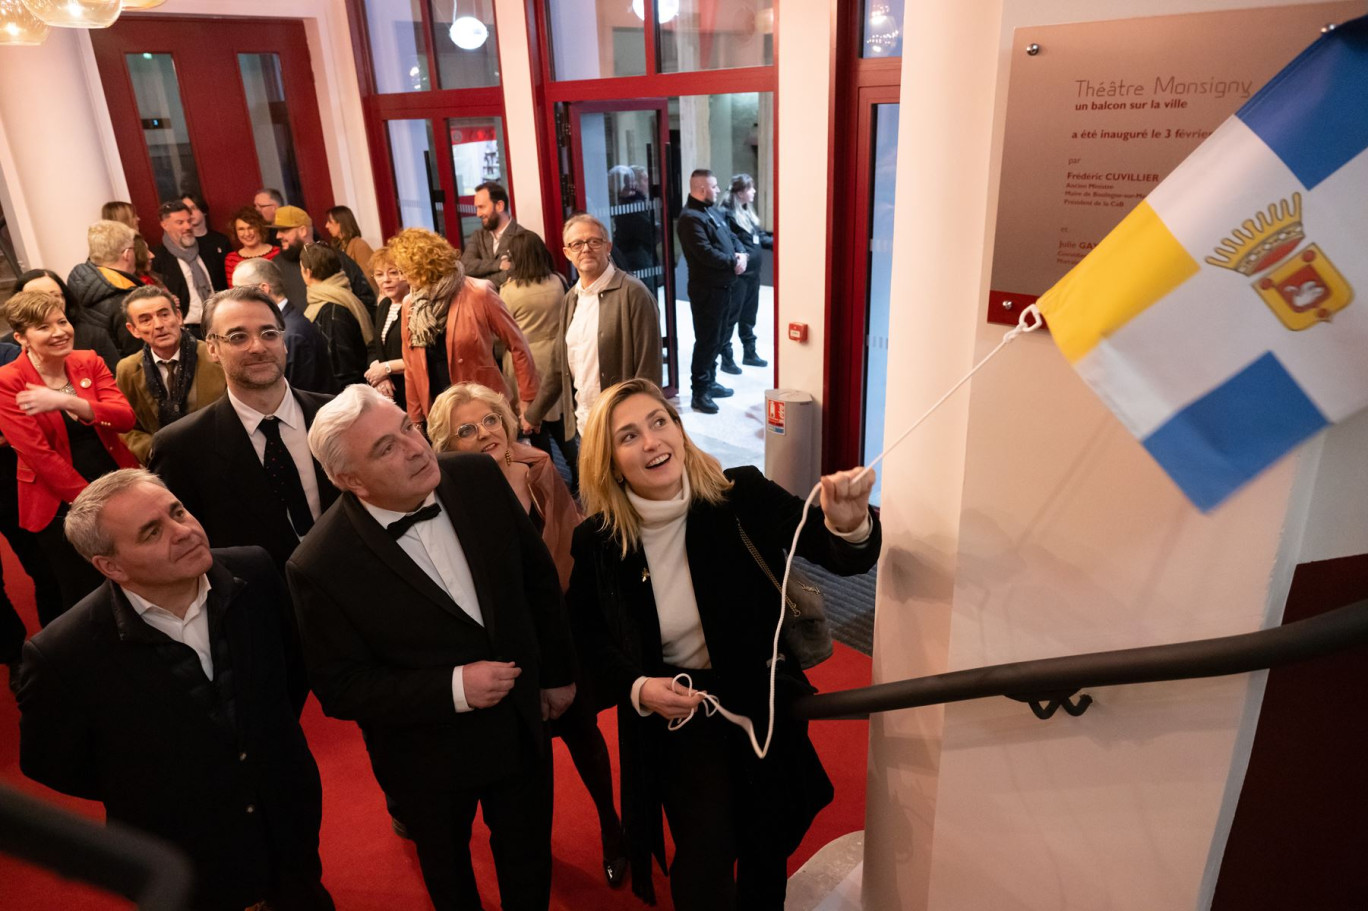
667 582
469 417
62 412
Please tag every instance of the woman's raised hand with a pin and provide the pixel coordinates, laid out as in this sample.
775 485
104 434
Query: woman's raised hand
845 498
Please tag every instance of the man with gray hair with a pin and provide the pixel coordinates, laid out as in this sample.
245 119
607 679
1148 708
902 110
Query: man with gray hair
99 284
431 614
172 695
306 365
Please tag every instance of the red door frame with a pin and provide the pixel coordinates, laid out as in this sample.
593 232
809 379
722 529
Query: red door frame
435 106
662 108
865 82
205 51
548 95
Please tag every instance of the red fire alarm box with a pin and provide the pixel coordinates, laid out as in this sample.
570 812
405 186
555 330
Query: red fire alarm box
797 332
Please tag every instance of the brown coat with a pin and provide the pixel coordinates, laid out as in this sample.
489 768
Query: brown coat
208 387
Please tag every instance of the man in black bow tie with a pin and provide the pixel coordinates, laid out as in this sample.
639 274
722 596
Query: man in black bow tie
431 614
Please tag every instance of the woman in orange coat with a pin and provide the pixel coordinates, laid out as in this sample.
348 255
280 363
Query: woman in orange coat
62 412
450 324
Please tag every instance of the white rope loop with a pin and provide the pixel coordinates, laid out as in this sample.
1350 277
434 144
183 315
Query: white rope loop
1029 321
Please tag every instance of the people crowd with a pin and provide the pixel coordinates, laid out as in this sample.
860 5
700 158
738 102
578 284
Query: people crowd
255 463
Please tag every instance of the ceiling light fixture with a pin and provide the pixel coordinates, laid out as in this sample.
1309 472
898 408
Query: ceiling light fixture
18 26
666 10
76 13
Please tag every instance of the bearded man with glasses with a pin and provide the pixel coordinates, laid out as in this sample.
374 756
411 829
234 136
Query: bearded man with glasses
609 330
242 466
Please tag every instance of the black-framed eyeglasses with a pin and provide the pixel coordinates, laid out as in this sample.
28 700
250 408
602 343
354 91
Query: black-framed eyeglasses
488 422
589 243
242 338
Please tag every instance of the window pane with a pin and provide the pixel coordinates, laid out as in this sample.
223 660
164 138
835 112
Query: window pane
163 124
881 28
467 50
398 52
415 175
270 117
882 195
707 35
477 155
592 39
621 157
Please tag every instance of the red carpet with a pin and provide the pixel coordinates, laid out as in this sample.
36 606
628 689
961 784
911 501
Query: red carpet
367 868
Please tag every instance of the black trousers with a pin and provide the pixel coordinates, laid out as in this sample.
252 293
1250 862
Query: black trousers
517 810
745 309
706 795
76 578
711 308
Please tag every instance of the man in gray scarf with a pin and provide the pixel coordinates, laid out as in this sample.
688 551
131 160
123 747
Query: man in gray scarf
177 260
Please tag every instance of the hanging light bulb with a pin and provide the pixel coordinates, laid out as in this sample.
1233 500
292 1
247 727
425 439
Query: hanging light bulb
18 26
76 13
665 10
142 4
468 33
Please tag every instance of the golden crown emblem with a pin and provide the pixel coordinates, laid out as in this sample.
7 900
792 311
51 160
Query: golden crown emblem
1262 241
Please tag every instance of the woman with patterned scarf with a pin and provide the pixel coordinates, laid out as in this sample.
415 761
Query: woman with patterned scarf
449 324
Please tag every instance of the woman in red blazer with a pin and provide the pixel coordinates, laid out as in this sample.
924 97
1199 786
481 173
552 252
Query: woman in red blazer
62 412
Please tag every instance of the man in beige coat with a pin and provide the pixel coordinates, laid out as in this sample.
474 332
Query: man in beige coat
171 376
609 331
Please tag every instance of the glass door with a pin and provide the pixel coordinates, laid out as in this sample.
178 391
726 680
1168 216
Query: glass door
618 152
217 108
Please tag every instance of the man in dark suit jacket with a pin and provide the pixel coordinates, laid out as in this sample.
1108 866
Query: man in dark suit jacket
172 695
431 614
170 376
184 267
242 465
306 356
486 250
715 259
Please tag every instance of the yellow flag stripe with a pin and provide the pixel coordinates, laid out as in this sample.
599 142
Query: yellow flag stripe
1139 263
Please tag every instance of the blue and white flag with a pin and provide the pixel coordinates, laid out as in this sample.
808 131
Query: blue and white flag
1225 319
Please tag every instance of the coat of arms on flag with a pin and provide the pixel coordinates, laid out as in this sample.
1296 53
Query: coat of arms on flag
1217 320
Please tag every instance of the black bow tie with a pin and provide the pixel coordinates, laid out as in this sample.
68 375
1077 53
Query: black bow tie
404 523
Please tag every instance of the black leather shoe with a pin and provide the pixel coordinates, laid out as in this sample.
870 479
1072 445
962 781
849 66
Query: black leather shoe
703 404
718 391
729 366
751 359
615 871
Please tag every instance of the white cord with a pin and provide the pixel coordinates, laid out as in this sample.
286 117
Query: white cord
1029 321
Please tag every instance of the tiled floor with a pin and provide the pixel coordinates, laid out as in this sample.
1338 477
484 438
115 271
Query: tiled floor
736 434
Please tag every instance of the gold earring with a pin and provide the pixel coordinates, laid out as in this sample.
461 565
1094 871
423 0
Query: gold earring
508 456
617 478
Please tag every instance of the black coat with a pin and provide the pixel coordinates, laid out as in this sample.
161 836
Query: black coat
381 639
306 353
709 246
344 345
214 249
207 460
105 717
617 634
390 347
98 317
166 265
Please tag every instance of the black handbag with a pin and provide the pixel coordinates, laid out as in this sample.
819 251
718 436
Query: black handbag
806 633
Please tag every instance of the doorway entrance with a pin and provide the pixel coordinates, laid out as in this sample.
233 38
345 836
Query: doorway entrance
213 107
618 152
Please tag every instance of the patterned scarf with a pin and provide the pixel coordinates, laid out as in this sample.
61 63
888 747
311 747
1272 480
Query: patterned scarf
171 403
428 308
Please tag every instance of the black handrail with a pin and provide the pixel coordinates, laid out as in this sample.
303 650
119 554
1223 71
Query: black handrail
1054 680
118 858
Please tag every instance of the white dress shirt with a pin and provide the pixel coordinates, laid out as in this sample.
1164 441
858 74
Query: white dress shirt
433 545
161 365
194 310
193 630
581 345
294 433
